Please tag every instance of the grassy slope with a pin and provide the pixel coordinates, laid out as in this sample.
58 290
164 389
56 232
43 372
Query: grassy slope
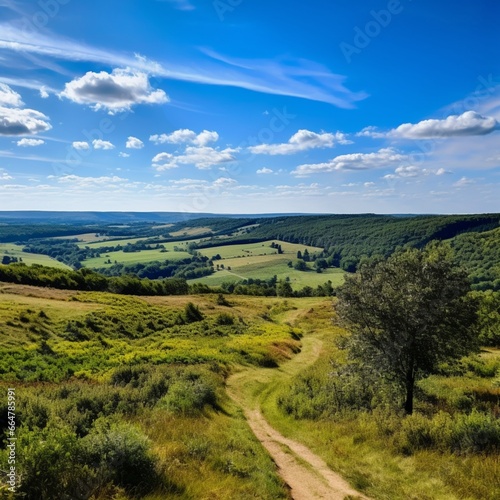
211 455
142 257
29 258
353 445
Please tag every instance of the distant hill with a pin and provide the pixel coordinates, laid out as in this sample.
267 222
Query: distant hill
76 218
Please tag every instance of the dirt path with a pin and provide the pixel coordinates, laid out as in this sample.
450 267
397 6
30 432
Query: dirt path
307 475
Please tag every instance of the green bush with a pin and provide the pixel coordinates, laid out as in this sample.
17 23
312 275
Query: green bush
120 454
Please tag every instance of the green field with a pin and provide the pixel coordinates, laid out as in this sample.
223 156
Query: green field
298 279
12 250
115 242
85 237
135 257
260 261
256 249
191 231
109 242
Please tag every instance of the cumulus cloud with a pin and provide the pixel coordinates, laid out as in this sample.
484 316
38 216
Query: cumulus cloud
385 157
186 136
81 145
100 144
303 140
30 142
43 93
411 171
201 157
134 143
15 121
123 155
265 171
469 123
9 97
114 92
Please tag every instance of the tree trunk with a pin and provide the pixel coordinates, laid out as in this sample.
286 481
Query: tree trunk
410 383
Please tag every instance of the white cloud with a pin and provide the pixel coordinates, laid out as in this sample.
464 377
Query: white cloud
265 171
383 158
9 97
206 137
100 144
114 92
463 182
443 171
201 157
4 176
468 123
134 143
123 155
30 142
43 92
371 132
78 181
15 121
186 136
303 140
80 145
224 182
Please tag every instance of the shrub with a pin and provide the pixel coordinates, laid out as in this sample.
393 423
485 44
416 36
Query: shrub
189 397
192 313
224 319
120 454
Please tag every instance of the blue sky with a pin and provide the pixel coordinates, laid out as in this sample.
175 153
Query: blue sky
250 106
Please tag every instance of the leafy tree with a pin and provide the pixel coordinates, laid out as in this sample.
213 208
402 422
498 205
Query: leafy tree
407 314
300 265
284 289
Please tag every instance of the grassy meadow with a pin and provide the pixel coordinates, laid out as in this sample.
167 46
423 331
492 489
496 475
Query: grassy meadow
142 257
12 250
98 375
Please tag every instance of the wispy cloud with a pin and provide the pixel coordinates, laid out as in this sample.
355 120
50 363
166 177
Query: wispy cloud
289 77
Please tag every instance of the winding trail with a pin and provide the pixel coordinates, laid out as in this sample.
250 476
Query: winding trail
306 474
